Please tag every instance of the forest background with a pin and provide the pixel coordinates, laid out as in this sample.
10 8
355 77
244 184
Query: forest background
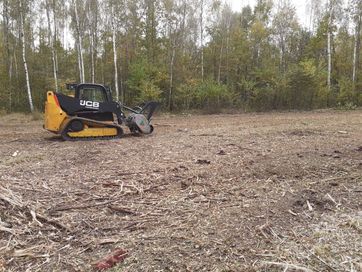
188 54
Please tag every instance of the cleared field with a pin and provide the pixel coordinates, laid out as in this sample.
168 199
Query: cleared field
249 192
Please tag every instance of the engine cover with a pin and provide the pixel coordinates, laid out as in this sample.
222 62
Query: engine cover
140 122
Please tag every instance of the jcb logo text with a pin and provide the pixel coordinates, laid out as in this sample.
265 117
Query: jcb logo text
89 104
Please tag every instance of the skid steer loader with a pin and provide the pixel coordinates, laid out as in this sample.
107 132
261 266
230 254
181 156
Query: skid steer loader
90 112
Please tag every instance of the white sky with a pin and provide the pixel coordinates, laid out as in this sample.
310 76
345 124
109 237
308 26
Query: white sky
300 5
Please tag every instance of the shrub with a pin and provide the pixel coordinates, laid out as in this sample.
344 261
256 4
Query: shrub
347 97
207 95
145 81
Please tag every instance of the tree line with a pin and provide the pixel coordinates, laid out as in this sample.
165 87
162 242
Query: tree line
188 54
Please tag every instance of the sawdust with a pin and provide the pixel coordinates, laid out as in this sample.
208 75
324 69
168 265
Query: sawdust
251 192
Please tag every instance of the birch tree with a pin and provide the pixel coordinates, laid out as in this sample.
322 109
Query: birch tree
114 29
7 55
116 24
334 8
285 25
23 47
329 42
93 21
172 10
79 41
259 29
202 37
151 8
55 6
51 41
224 19
221 34
357 18
183 26
315 14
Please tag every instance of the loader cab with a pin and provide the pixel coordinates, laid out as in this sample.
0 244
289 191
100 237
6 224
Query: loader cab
91 92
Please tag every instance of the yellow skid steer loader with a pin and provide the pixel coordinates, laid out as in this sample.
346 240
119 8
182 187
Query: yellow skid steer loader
90 112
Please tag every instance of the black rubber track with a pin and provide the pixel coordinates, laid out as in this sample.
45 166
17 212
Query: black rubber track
66 137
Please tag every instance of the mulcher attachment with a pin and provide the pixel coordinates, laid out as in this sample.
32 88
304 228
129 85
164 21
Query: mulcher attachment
139 120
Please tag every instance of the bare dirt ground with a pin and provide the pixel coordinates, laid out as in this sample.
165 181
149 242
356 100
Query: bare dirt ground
249 192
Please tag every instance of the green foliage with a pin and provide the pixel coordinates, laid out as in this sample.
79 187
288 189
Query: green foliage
262 90
185 95
263 98
207 95
212 96
145 81
148 91
347 97
301 86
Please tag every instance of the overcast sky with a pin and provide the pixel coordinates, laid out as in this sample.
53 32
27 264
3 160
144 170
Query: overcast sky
300 6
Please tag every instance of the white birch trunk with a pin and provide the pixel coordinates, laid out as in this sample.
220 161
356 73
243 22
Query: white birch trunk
282 53
202 38
80 47
329 45
7 50
79 61
16 64
329 61
51 44
115 56
55 37
227 48
354 59
220 60
94 40
183 28
81 58
92 57
24 57
78 58
171 77
311 14
10 86
55 41
91 39
356 49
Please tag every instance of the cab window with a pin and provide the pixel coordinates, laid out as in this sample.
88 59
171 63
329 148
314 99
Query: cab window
94 94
